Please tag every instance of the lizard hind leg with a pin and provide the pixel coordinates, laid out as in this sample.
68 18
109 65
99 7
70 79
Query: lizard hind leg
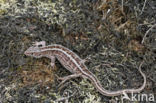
64 79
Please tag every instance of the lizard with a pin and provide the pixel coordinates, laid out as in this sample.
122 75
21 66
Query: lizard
72 62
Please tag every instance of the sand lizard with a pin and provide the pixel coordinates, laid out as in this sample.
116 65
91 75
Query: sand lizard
75 65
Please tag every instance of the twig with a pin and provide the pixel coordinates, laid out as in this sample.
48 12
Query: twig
122 5
65 98
143 7
147 33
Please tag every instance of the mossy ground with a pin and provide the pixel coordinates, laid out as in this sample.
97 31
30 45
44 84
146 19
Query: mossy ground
109 33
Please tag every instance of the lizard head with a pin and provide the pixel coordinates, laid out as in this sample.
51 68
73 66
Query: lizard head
33 51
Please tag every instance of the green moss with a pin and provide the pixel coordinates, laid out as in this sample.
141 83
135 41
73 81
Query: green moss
2 11
2 1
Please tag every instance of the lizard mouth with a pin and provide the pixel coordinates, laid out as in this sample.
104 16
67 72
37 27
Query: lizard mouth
27 53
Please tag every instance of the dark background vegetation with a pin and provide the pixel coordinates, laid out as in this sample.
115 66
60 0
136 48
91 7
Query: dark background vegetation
114 36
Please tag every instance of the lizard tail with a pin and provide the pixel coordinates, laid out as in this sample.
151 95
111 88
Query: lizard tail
105 92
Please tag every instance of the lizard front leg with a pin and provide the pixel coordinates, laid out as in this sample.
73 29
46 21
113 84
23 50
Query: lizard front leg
85 60
52 61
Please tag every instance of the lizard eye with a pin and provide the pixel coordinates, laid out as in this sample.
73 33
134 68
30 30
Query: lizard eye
40 45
